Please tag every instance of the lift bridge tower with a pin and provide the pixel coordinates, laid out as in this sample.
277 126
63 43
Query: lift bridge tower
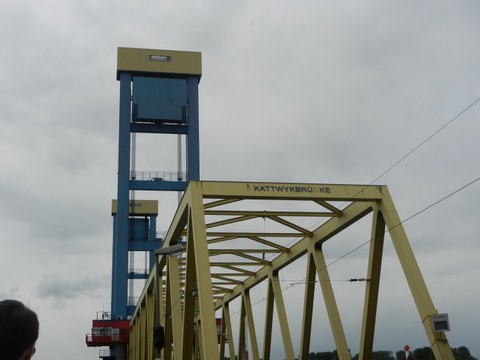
158 95
186 308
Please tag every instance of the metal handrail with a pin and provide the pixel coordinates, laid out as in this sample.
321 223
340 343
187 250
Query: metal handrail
155 175
138 270
133 300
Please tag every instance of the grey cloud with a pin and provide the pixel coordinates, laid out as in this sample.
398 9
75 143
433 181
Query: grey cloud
315 92
61 288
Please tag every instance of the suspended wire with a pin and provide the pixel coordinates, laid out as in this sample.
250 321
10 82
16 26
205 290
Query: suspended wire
371 239
426 140
303 281
401 222
398 162
442 199
403 158
362 245
171 308
410 152
404 221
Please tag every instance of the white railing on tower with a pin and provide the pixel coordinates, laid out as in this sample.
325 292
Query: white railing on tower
155 175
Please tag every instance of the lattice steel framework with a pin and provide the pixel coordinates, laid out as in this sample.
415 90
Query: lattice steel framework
228 252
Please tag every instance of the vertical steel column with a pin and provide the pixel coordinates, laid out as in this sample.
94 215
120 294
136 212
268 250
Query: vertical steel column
150 325
227 324
307 309
193 146
267 335
251 325
282 316
119 275
198 238
189 294
120 238
114 264
167 321
331 305
175 305
242 340
421 296
152 236
372 286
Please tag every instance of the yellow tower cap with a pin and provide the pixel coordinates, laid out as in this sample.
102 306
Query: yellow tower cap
133 60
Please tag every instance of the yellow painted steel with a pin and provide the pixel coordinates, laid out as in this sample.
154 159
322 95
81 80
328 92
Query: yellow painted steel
174 311
418 288
134 60
230 252
139 207
307 309
226 336
141 345
267 337
330 303
197 242
282 316
372 286
250 325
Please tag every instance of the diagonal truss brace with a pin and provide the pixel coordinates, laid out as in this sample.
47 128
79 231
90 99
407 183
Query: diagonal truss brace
181 297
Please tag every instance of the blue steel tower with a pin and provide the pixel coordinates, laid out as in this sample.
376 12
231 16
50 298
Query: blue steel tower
158 95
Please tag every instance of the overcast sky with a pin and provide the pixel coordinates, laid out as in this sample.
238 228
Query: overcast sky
292 91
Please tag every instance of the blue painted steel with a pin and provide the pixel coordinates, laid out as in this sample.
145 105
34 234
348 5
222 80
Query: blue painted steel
114 264
158 185
119 275
158 99
193 146
143 245
137 276
165 105
153 239
138 229
156 128
130 312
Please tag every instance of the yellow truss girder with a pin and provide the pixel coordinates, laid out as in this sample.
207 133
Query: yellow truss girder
219 266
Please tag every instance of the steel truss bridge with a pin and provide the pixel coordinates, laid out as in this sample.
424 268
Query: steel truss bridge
228 252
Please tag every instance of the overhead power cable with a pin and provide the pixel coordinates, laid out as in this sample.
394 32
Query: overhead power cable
411 151
398 162
463 111
426 140
408 218
371 239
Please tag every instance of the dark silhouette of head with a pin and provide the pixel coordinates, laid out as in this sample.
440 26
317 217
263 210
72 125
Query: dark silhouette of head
18 331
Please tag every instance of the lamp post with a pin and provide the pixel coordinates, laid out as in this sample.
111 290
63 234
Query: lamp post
173 250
